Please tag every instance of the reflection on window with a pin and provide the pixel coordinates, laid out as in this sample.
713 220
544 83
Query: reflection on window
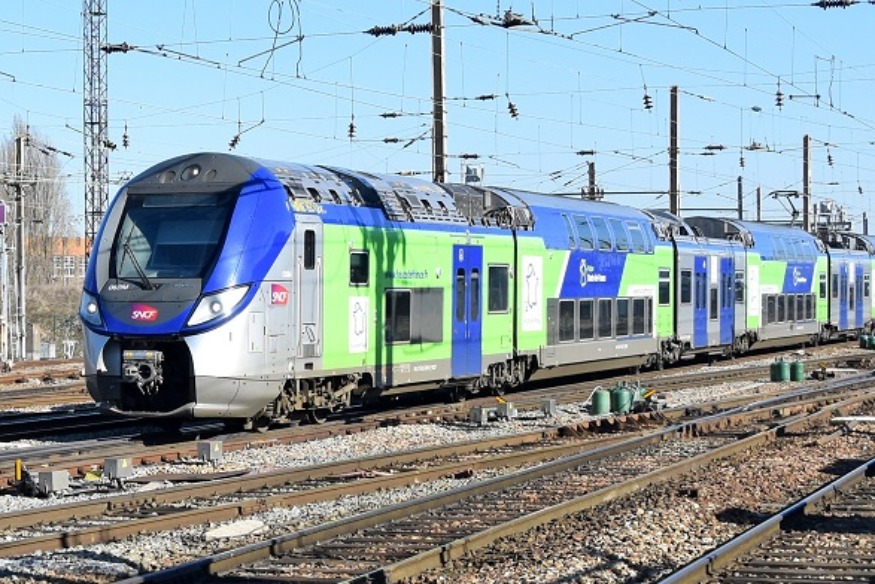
566 320
498 289
397 316
358 268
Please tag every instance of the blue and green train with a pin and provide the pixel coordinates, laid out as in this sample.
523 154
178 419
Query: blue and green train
221 286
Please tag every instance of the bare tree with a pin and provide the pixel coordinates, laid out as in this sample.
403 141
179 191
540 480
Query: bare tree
46 219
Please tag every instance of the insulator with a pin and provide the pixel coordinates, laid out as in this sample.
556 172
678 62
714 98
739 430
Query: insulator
829 160
834 3
648 102
779 99
511 108
351 131
234 141
741 161
125 141
415 28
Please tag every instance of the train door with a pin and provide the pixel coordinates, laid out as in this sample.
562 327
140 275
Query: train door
727 301
700 301
843 296
467 309
858 295
308 286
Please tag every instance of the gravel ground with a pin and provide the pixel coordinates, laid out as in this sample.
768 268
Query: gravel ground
111 561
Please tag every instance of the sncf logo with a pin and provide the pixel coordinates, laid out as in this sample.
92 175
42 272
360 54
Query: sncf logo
278 294
143 312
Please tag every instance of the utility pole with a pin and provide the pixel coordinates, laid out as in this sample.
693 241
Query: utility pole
20 315
674 190
95 118
439 131
740 199
759 203
806 183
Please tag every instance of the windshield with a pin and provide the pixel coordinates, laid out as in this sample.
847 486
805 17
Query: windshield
170 236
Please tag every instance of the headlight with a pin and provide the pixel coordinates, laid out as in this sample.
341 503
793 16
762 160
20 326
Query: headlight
217 304
89 311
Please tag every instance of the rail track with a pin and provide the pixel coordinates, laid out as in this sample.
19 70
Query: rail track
543 485
402 540
145 444
826 536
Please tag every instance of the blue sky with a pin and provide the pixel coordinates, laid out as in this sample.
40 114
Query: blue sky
205 71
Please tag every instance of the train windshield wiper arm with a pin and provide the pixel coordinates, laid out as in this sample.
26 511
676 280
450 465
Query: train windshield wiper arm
147 283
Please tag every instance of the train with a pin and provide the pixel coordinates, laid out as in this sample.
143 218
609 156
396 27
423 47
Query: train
257 291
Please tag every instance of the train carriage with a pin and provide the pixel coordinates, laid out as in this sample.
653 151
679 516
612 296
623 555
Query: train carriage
849 285
784 268
705 271
587 285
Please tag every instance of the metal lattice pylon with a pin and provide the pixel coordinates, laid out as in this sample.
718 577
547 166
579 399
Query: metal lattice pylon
95 118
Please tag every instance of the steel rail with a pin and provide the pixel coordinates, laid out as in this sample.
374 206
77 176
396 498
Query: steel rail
225 561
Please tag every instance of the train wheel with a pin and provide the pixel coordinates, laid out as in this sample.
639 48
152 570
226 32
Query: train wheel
317 415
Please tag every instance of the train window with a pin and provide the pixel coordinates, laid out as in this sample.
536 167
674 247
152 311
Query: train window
315 194
780 250
620 236
649 327
835 285
606 328
686 286
622 317
771 308
791 308
475 294
334 196
584 233
851 298
566 320
309 249
664 286
792 249
809 307
639 312
603 233
498 288
714 308
397 316
359 268
800 306
782 308
460 295
586 325
570 230
866 286
636 237
701 290
739 287
822 290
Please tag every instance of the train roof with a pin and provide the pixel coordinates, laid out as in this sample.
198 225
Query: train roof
750 232
401 198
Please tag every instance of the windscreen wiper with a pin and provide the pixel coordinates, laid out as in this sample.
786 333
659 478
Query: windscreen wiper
147 283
